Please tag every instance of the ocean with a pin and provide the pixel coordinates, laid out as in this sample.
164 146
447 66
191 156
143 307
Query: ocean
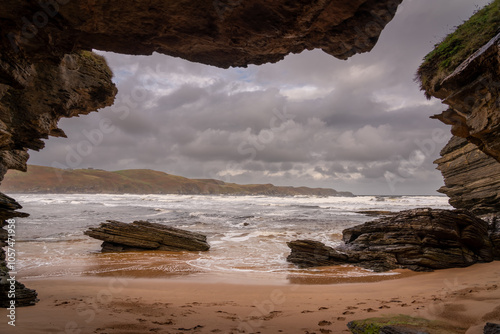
247 234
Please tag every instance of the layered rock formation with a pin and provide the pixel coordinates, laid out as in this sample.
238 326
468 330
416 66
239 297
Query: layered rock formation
222 32
142 235
22 295
37 95
463 71
34 96
472 92
494 233
472 178
420 239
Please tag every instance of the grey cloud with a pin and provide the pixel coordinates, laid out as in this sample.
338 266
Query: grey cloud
186 94
340 124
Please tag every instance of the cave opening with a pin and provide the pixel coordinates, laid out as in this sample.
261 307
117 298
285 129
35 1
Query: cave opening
360 125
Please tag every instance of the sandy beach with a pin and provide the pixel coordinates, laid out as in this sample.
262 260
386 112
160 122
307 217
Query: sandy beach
466 298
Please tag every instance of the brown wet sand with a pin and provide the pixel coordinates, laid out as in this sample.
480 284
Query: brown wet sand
466 297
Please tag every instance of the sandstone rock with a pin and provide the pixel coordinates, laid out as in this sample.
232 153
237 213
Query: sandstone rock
142 235
469 84
23 295
472 178
494 234
309 253
33 97
420 239
472 91
31 106
222 32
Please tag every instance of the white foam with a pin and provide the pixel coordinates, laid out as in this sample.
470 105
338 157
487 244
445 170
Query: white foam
248 234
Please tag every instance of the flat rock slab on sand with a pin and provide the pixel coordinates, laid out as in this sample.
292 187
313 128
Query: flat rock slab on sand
420 239
142 235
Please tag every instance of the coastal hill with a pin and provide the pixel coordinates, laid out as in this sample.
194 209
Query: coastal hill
39 179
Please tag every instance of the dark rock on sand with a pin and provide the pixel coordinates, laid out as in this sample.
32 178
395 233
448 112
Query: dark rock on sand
494 234
142 235
23 295
420 239
309 253
491 328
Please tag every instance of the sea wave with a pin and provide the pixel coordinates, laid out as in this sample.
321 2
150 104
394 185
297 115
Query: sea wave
248 234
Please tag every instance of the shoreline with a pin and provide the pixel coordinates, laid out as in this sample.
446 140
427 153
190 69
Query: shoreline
326 277
467 297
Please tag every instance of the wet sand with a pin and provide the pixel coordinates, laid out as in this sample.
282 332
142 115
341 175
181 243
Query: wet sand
466 297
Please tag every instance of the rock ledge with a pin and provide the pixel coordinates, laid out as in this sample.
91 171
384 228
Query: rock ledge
419 239
142 235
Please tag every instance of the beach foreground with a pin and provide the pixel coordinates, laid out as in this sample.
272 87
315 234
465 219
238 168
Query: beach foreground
466 298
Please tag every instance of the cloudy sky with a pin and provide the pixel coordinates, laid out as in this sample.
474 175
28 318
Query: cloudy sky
360 125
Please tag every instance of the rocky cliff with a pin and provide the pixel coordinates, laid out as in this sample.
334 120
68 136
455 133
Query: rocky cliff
36 91
464 72
420 239
472 91
472 178
222 32
8 285
35 96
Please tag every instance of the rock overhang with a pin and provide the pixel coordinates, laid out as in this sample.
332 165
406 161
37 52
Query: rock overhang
38 85
222 33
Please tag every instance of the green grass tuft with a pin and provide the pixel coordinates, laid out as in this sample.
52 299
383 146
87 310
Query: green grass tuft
459 45
98 60
374 325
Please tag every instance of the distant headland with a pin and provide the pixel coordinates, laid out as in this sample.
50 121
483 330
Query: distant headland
40 179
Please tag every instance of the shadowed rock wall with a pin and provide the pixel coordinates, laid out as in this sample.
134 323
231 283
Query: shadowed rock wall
47 71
